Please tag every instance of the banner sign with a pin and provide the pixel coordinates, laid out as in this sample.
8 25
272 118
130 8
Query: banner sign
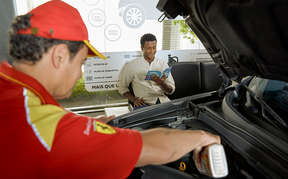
102 75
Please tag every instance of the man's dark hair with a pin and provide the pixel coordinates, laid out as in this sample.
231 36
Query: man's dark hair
147 37
31 48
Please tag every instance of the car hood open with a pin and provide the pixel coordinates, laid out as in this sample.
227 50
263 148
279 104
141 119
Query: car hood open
243 37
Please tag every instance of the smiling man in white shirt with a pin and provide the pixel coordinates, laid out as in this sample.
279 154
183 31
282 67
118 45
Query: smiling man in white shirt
147 92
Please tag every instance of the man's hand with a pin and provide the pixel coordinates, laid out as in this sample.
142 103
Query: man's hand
139 102
104 118
161 83
158 80
210 139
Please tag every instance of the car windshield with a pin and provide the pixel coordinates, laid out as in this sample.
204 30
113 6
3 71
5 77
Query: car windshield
274 93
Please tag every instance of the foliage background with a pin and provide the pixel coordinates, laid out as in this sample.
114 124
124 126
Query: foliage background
186 31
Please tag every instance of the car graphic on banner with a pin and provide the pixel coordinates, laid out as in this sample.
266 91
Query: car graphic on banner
134 13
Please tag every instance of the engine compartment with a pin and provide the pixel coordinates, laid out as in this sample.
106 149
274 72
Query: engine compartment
251 151
237 165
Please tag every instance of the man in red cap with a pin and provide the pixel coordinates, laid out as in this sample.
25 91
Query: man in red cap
39 138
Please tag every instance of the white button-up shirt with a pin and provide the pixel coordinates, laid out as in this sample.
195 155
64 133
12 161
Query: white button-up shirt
135 71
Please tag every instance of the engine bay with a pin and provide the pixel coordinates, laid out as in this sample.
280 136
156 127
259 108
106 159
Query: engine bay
251 151
237 165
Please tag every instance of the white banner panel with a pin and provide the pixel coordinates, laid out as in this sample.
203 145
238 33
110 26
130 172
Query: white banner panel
102 75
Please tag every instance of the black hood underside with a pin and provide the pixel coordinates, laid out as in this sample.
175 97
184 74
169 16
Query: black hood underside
244 37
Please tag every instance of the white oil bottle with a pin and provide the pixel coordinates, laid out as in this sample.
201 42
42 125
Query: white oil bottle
213 161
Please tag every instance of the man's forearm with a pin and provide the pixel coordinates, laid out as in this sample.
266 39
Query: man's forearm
165 87
129 96
162 146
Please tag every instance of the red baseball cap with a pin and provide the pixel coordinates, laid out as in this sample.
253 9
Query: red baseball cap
58 20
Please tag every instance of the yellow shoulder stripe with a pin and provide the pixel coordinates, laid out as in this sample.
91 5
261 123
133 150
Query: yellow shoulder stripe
42 118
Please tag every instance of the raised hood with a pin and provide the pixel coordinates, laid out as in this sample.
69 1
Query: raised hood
244 37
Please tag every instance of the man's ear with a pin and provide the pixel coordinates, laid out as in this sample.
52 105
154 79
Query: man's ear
59 55
141 48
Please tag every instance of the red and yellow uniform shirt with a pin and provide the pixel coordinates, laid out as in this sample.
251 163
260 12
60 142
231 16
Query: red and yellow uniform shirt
40 139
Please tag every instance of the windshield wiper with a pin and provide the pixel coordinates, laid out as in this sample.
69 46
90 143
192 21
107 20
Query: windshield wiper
265 107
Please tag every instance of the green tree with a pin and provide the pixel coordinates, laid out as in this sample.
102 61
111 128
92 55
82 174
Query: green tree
186 31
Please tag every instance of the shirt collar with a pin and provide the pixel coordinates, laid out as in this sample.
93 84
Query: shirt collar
9 74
